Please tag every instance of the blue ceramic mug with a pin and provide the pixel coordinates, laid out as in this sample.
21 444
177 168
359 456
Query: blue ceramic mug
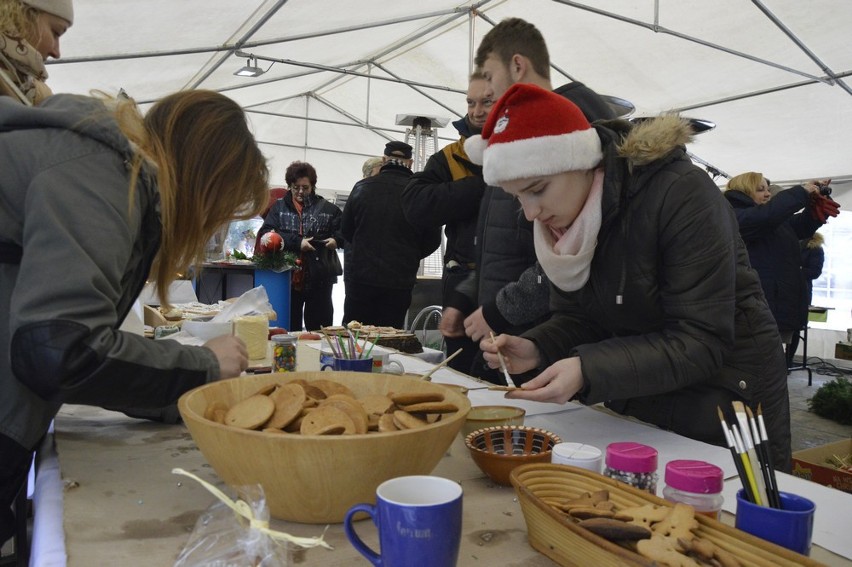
350 365
792 526
419 522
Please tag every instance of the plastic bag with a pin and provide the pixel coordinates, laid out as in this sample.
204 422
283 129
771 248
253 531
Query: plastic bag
236 533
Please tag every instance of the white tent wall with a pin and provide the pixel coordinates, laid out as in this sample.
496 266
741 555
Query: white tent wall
772 74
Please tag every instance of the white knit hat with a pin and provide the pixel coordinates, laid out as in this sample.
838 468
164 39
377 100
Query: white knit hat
530 132
62 8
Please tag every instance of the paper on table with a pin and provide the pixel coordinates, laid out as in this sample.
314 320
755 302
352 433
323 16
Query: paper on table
251 302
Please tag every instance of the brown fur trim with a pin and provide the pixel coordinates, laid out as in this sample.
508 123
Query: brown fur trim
653 139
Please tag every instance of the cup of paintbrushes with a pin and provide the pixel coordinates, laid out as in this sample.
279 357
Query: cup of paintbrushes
350 365
791 526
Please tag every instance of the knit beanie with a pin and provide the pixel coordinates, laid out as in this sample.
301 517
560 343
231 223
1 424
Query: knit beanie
531 132
62 8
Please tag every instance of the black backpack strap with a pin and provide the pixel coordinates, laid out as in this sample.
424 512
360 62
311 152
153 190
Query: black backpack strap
10 253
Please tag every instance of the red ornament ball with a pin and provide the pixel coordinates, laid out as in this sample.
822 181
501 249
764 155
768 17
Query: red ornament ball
271 242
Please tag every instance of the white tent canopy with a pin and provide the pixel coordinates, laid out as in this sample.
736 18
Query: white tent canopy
773 75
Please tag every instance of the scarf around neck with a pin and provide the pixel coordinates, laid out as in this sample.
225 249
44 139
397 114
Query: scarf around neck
566 254
24 65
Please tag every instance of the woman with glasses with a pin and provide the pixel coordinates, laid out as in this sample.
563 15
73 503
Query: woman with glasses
308 225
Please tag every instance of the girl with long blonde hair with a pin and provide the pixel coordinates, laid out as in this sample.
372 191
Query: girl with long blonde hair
94 199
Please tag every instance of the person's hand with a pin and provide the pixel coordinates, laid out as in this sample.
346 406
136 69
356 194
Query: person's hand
821 207
557 384
231 353
519 354
452 323
812 187
476 327
815 185
306 245
330 243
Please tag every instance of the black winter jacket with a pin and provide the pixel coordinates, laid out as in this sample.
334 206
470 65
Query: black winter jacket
382 248
319 219
672 321
771 233
437 197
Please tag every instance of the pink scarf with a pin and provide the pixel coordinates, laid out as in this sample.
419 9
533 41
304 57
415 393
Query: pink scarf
566 254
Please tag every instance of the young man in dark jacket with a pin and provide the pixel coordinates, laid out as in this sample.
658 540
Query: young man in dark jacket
383 250
509 292
447 193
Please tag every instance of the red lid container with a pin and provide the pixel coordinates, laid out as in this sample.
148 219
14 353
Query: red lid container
631 457
694 476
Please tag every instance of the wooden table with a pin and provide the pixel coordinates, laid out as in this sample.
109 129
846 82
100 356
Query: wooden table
124 506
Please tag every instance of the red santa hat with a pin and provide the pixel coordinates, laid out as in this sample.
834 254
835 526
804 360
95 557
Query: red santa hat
530 132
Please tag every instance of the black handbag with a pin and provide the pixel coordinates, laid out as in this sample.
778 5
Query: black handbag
323 264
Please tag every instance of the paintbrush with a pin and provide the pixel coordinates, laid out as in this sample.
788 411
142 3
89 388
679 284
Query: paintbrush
742 419
509 381
738 443
768 449
331 344
428 376
760 449
738 462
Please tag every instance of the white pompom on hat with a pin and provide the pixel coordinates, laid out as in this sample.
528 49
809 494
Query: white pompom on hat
62 8
530 132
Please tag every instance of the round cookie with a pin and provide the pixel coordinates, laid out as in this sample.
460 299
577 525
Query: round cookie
327 420
250 413
350 407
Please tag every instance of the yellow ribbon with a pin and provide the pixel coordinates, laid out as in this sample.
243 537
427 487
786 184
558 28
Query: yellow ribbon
243 509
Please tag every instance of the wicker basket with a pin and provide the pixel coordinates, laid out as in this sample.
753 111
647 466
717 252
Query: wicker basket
566 543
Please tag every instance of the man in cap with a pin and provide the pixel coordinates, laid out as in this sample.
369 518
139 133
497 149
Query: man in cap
383 250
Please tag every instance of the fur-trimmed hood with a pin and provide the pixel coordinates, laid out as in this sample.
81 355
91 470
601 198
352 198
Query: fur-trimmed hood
653 139
815 241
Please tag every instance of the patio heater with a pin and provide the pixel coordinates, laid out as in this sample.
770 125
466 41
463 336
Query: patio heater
422 136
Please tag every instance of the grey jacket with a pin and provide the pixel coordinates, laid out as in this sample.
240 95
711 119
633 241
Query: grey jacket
64 183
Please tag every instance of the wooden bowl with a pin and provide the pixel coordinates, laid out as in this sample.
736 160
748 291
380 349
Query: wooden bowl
498 450
312 478
558 536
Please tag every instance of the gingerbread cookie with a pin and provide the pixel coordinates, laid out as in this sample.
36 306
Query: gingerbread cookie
250 413
327 420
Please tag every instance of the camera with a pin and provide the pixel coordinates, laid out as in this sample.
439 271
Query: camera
825 190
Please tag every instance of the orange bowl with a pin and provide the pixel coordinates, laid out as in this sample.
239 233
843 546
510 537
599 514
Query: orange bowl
498 450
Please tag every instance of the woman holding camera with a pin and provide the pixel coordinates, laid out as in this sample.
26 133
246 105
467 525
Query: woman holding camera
771 230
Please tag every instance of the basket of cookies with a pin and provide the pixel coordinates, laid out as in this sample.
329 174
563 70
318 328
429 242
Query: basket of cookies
320 442
578 517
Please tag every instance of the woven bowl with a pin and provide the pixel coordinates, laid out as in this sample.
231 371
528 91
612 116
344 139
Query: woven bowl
498 450
316 478
556 535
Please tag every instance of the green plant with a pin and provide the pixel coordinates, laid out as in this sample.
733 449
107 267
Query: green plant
277 261
833 400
